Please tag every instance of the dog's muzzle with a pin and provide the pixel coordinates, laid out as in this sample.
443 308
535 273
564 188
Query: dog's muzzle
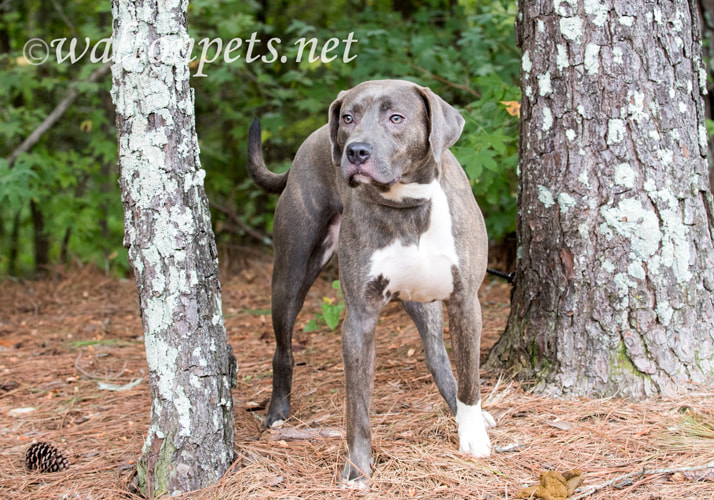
359 167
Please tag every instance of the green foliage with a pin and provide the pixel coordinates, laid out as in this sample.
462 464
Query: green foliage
15 184
331 312
69 175
467 55
710 127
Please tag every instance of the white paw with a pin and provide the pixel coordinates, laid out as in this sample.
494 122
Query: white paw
278 424
472 422
490 421
360 484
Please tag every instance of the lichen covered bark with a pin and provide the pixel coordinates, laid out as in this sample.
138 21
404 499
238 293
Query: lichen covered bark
172 251
616 265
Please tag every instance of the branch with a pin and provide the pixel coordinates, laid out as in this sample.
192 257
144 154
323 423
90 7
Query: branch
291 434
644 472
441 79
93 377
64 18
56 114
258 235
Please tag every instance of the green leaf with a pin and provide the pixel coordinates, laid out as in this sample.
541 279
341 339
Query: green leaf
311 326
15 188
486 158
467 156
331 314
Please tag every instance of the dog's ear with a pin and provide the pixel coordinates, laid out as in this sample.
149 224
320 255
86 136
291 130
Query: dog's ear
445 123
333 123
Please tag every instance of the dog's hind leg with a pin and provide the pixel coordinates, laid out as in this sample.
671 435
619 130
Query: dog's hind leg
429 320
304 240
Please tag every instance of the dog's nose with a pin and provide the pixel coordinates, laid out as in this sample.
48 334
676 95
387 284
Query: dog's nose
358 152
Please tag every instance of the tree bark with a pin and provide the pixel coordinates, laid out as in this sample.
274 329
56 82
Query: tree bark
615 265
706 13
172 250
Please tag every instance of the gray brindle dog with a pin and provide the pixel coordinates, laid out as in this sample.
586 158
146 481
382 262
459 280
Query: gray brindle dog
379 185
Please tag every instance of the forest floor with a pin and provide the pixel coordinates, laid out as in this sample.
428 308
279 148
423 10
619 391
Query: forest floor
62 339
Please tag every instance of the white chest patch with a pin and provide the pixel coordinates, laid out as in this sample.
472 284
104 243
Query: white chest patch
421 272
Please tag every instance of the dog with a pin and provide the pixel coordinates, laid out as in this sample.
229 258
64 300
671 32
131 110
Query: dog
378 185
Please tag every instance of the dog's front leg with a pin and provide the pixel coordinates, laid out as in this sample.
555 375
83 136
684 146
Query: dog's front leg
465 329
358 353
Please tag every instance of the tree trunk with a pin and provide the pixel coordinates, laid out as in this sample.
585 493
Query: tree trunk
14 244
64 249
172 251
40 239
616 266
706 12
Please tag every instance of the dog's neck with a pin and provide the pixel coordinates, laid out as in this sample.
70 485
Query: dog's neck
400 195
410 192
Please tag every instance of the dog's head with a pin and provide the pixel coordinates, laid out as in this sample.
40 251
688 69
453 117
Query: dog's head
386 131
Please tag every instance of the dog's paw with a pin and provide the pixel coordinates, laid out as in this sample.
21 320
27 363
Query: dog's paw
473 422
359 484
488 418
278 424
352 478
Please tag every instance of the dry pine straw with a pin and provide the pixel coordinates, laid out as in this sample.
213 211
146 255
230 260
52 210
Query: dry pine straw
46 325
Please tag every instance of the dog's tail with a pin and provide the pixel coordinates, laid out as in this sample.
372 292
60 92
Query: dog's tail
271 182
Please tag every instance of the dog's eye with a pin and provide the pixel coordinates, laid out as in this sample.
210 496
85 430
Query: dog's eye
347 118
396 118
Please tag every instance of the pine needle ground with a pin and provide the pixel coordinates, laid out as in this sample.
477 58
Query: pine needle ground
65 342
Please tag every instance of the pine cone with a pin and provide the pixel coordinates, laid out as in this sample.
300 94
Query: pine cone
45 457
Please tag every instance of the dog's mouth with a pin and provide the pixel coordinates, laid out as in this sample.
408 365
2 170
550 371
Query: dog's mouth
369 172
359 178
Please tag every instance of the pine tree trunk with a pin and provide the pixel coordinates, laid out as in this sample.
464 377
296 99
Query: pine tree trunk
172 251
706 13
616 266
